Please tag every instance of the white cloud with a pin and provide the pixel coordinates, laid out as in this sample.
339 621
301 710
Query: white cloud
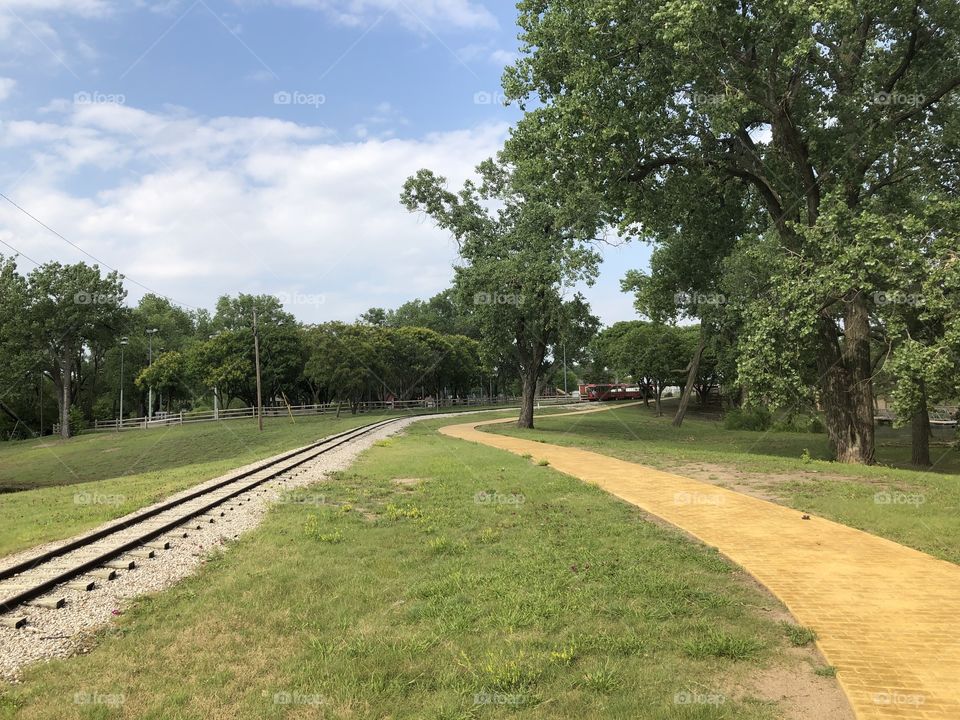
416 14
6 87
382 123
503 57
78 7
196 207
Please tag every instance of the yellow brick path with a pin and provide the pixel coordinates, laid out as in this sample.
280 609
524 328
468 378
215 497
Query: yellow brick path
886 615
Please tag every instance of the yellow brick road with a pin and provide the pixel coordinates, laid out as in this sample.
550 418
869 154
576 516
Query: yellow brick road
887 616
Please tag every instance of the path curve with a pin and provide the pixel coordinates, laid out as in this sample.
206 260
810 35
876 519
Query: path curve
886 615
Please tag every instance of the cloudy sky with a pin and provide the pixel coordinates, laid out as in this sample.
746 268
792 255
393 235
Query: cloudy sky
206 147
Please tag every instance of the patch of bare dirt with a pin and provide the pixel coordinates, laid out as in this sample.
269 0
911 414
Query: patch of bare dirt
798 693
764 486
407 483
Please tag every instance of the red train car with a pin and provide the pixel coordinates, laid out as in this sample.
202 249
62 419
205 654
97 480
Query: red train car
603 392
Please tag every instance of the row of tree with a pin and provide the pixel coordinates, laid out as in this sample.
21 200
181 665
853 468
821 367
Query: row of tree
72 348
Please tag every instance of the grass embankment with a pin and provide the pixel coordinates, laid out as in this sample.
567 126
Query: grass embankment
920 509
439 579
52 489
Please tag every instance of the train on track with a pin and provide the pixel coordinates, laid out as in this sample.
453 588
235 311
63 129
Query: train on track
614 391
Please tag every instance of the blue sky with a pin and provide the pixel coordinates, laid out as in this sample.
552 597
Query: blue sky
221 146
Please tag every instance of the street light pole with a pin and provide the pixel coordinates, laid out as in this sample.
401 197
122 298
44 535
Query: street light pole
150 334
564 368
256 355
123 342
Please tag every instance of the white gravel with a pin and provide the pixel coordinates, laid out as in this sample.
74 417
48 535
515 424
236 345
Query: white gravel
52 633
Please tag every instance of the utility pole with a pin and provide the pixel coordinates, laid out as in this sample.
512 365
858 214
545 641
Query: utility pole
256 357
123 341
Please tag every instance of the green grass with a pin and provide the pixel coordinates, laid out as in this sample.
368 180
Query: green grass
799 635
51 489
434 602
920 509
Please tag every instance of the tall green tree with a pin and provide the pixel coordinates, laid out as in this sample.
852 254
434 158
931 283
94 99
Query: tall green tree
819 109
516 262
69 307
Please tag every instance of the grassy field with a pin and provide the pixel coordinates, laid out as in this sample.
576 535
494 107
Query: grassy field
439 580
917 508
65 487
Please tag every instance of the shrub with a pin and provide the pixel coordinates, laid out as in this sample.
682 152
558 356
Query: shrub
751 418
77 421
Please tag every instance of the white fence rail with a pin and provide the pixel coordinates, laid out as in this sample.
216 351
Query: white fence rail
185 418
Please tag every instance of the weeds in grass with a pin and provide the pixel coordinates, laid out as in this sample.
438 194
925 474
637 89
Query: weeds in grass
825 671
716 643
543 462
489 535
502 673
315 528
395 512
799 635
602 680
565 656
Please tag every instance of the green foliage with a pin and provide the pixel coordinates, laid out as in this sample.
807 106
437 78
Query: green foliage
819 164
516 264
749 418
77 421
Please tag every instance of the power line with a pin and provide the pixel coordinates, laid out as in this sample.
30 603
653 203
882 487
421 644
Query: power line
92 257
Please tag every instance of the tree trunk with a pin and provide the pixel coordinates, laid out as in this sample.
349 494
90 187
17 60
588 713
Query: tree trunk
657 392
527 398
65 371
693 369
845 385
920 432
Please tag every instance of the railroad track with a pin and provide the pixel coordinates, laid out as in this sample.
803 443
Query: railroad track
138 535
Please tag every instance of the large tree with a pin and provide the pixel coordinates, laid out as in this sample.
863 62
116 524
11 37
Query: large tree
71 307
517 258
819 109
